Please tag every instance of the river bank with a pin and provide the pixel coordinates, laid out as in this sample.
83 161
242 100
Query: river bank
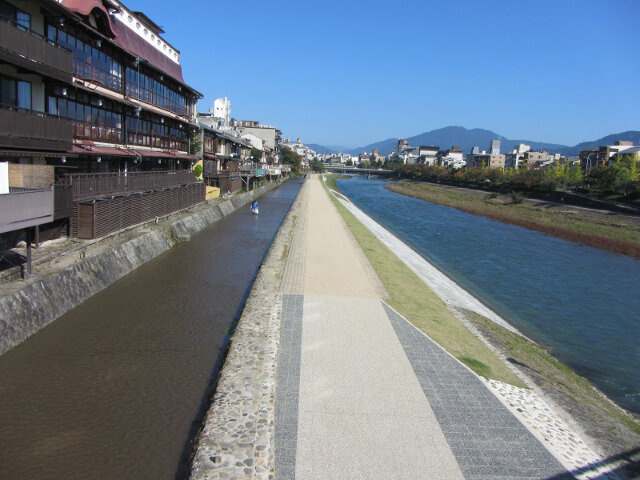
69 272
611 430
238 436
614 232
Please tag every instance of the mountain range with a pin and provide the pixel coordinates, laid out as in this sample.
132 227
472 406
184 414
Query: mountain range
466 139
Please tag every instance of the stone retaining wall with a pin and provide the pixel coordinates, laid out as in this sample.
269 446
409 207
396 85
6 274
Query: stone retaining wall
40 302
237 438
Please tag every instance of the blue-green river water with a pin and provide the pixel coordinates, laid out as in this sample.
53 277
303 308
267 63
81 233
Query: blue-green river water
581 303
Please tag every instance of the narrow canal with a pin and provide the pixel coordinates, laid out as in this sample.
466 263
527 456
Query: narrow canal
116 388
582 303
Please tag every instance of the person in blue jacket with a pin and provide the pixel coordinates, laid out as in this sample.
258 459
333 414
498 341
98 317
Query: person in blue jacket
254 207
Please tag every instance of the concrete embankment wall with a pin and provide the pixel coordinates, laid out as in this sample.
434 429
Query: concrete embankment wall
39 303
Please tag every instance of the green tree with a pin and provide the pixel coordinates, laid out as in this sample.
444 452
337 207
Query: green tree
195 143
317 166
290 157
256 155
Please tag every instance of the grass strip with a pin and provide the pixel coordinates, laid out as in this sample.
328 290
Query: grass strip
613 233
417 303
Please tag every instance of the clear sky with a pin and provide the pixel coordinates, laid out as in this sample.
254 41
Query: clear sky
355 72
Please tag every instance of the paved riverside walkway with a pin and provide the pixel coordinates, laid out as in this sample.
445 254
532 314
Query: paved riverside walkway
361 393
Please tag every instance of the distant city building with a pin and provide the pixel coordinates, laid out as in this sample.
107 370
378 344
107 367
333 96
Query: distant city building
452 158
514 158
428 155
401 147
603 154
494 149
537 160
301 149
222 109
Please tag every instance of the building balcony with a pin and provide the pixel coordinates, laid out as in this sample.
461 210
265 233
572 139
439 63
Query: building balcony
24 207
22 128
99 185
29 50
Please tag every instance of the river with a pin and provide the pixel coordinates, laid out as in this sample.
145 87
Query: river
581 303
118 387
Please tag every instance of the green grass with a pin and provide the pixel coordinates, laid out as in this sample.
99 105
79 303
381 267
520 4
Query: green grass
417 303
612 233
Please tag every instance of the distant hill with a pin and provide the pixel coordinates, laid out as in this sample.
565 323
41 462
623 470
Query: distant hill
385 147
324 150
466 139
631 135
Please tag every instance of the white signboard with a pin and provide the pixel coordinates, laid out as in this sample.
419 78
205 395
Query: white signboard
4 177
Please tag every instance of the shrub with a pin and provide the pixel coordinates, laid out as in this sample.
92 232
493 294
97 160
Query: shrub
517 197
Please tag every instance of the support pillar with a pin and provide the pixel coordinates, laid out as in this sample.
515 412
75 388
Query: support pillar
29 240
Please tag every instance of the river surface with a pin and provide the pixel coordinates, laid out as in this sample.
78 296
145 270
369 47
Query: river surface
116 388
582 303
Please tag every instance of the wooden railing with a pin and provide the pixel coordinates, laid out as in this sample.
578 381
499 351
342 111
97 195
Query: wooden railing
23 128
31 50
96 185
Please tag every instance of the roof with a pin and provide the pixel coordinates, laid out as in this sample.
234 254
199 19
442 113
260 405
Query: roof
128 40
155 27
138 46
628 151
86 7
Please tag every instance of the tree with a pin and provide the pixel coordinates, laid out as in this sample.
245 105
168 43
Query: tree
256 155
195 142
317 166
290 157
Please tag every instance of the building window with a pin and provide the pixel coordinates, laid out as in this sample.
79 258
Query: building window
154 131
151 90
88 61
21 19
93 118
15 93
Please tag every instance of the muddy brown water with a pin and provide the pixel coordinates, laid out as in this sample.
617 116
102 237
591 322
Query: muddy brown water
117 388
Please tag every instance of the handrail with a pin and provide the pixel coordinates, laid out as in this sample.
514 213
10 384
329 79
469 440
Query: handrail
37 35
88 186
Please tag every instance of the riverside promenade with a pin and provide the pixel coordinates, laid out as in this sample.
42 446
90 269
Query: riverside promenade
353 390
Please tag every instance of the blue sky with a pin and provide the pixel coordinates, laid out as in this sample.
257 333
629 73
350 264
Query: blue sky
354 72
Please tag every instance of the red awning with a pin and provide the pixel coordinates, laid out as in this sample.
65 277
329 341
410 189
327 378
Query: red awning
107 151
152 154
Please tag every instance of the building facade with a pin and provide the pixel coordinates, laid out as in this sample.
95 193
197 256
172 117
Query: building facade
92 88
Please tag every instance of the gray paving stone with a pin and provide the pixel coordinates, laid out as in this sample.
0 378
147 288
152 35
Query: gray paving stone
493 444
287 386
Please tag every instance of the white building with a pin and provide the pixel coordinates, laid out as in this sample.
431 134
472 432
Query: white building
222 110
514 158
452 158
301 149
